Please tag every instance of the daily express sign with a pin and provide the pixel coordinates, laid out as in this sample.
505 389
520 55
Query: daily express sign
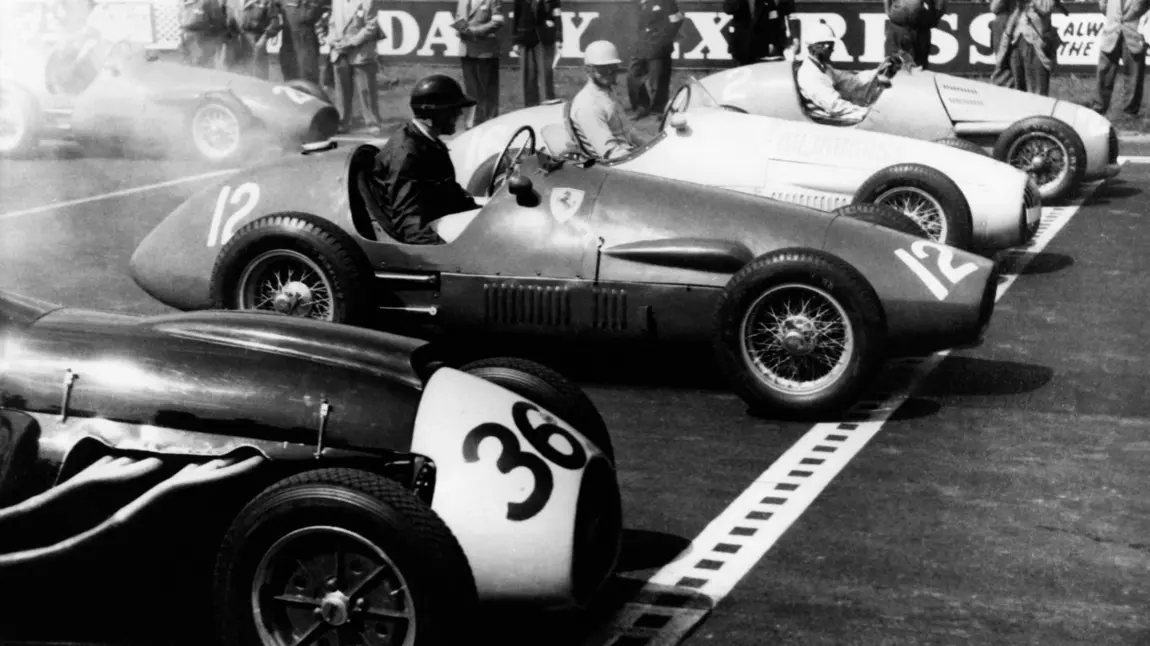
961 43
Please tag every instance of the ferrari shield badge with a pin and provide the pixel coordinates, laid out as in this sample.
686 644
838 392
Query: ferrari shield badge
565 202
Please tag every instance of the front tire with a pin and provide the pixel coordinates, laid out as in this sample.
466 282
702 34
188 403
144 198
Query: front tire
550 390
927 197
297 265
1047 149
800 330
341 550
19 122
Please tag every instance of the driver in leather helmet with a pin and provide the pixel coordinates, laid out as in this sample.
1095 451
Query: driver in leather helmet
413 178
835 95
597 120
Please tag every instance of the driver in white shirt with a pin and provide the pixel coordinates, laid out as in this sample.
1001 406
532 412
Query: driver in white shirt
597 118
838 95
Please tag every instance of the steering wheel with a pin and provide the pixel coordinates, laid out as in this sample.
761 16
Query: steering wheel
678 103
498 178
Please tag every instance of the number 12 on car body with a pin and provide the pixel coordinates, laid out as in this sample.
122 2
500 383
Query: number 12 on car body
946 267
245 197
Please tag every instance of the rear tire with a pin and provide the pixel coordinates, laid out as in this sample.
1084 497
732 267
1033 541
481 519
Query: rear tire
783 317
309 88
927 197
220 131
1063 164
550 390
395 554
272 245
963 144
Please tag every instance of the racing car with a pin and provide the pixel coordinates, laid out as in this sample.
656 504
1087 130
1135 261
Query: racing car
358 483
121 97
958 198
800 305
1059 143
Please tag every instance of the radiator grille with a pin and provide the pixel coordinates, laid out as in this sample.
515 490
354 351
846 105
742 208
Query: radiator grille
610 309
511 304
1032 198
1112 141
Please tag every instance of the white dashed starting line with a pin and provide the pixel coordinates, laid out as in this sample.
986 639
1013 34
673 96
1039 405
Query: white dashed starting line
680 595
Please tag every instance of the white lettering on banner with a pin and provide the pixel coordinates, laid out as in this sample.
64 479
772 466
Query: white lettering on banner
710 26
980 35
945 41
1079 33
837 23
407 39
573 33
874 41
441 33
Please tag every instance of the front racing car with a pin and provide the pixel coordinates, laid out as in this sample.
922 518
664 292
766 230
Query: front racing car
319 442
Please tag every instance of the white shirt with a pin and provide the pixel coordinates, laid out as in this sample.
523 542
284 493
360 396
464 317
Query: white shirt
836 94
600 123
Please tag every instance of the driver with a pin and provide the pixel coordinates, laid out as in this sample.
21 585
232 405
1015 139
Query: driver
597 118
414 178
838 95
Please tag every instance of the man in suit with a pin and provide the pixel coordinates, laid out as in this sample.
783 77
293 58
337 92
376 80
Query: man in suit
299 47
1121 40
536 32
478 23
909 26
758 28
353 32
251 24
649 77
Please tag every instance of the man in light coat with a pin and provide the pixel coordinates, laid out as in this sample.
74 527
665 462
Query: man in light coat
353 33
1120 40
478 23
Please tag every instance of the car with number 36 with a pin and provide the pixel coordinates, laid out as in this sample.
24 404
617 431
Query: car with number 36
343 480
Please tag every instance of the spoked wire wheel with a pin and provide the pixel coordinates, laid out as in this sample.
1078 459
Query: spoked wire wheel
13 122
1041 155
216 131
286 282
797 339
330 586
921 207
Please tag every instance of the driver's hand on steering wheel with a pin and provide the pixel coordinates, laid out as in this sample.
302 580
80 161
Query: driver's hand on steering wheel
481 200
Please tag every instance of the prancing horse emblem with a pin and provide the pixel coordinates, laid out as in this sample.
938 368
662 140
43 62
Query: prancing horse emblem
565 202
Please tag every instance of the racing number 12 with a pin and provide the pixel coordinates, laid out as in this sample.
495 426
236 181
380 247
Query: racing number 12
945 266
245 197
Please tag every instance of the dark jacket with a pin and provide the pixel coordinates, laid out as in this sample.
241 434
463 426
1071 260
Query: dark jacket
659 25
529 22
751 35
414 182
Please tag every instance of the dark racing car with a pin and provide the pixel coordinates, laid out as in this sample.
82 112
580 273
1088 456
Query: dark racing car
123 98
351 482
800 305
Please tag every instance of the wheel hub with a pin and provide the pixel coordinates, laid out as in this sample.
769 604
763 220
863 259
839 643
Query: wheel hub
334 608
1038 163
294 296
798 336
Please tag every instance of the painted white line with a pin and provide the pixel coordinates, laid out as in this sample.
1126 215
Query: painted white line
1133 159
114 194
681 594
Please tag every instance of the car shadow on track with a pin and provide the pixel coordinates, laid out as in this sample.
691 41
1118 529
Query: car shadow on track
1113 190
1042 263
961 378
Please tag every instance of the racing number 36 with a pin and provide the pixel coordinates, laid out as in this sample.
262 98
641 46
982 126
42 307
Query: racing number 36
244 199
946 267
512 456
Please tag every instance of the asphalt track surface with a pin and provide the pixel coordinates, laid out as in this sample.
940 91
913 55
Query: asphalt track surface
1001 502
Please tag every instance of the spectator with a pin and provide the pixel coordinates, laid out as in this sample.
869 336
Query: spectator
649 77
1121 40
299 46
353 32
250 24
478 22
1001 75
1029 43
536 34
909 26
203 31
758 28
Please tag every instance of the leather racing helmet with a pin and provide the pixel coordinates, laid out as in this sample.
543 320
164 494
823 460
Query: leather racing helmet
819 32
601 52
438 92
